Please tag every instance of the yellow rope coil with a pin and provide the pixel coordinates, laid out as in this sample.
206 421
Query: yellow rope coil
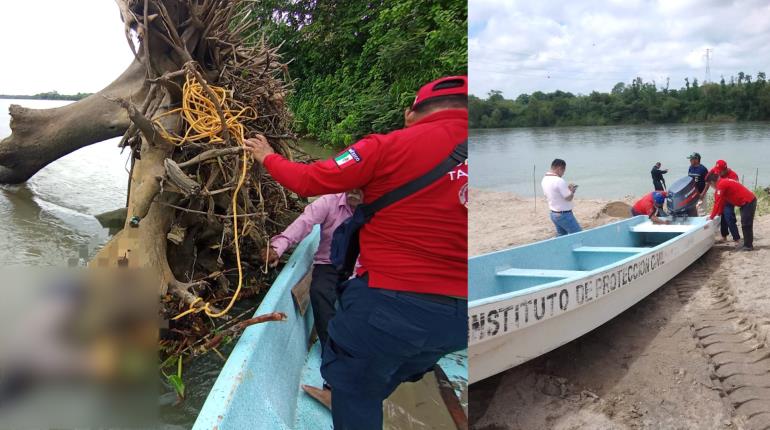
204 124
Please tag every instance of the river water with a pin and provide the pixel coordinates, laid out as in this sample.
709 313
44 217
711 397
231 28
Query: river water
49 219
615 161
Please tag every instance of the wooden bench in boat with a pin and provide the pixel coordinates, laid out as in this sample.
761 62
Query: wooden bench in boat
612 249
542 273
648 227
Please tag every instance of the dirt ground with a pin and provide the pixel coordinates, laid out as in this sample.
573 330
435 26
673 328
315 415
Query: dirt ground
692 355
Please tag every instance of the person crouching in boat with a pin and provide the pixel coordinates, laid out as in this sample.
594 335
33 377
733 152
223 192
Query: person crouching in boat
328 211
559 195
728 223
733 192
652 206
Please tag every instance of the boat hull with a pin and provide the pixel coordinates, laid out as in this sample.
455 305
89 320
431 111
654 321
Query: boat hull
510 329
259 385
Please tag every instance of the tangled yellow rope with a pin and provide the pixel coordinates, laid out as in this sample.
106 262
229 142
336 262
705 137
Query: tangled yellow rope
204 124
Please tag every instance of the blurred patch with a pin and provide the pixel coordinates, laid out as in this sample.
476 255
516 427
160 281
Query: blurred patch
77 348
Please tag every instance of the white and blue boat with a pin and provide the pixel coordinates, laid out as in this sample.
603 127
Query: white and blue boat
259 385
531 299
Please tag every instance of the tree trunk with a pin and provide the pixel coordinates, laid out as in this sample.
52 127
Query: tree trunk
41 136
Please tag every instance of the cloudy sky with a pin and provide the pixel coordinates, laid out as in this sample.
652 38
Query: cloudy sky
583 45
68 46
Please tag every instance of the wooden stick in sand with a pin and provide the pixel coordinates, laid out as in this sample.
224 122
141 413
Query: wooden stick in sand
534 184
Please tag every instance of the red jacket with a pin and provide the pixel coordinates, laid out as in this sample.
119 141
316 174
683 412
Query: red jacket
730 174
418 244
730 191
645 205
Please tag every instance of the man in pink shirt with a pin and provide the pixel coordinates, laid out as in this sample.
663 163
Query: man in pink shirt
329 211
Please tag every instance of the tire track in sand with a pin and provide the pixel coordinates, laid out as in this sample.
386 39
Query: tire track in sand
731 340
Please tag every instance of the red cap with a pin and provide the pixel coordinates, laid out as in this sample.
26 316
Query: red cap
715 170
446 86
721 165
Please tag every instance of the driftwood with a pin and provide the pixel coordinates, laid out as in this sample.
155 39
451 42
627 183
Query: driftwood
237 328
178 178
113 219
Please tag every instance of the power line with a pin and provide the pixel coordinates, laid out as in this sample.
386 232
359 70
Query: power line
708 64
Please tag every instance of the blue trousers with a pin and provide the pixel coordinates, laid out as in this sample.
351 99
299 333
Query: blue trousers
565 223
729 223
379 339
323 295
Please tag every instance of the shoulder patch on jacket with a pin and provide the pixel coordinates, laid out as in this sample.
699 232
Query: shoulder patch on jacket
347 158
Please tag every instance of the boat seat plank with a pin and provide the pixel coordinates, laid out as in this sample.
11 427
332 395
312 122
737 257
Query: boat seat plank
649 227
612 249
545 273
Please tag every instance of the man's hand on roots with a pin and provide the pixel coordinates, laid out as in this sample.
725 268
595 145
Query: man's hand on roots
258 147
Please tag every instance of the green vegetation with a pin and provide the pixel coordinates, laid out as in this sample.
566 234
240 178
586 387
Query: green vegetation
357 64
763 200
50 95
738 99
175 379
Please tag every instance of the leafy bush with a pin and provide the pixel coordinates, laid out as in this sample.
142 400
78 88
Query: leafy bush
358 64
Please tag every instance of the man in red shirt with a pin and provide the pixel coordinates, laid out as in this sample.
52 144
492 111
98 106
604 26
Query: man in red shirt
407 305
723 171
728 223
732 192
649 205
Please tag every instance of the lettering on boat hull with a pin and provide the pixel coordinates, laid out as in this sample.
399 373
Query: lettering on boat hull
497 319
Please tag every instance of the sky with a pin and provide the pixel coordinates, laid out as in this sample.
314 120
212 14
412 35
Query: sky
67 46
582 45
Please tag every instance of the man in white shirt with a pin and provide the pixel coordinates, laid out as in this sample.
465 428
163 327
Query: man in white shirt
559 196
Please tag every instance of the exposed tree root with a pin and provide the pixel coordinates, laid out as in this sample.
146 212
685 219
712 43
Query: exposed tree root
41 136
179 228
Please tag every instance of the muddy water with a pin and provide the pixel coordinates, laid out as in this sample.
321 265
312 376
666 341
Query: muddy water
49 219
612 162
417 406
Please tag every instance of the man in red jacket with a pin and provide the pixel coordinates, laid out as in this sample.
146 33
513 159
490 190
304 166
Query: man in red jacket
721 169
650 205
407 305
732 192
728 223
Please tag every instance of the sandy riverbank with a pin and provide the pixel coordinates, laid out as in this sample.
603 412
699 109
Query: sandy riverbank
692 355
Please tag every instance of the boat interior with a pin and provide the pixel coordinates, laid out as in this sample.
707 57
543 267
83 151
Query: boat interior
567 257
259 385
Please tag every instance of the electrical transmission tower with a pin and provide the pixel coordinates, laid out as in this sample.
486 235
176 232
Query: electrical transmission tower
708 64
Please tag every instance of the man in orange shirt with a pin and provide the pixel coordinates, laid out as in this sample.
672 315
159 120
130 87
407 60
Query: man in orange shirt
734 193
